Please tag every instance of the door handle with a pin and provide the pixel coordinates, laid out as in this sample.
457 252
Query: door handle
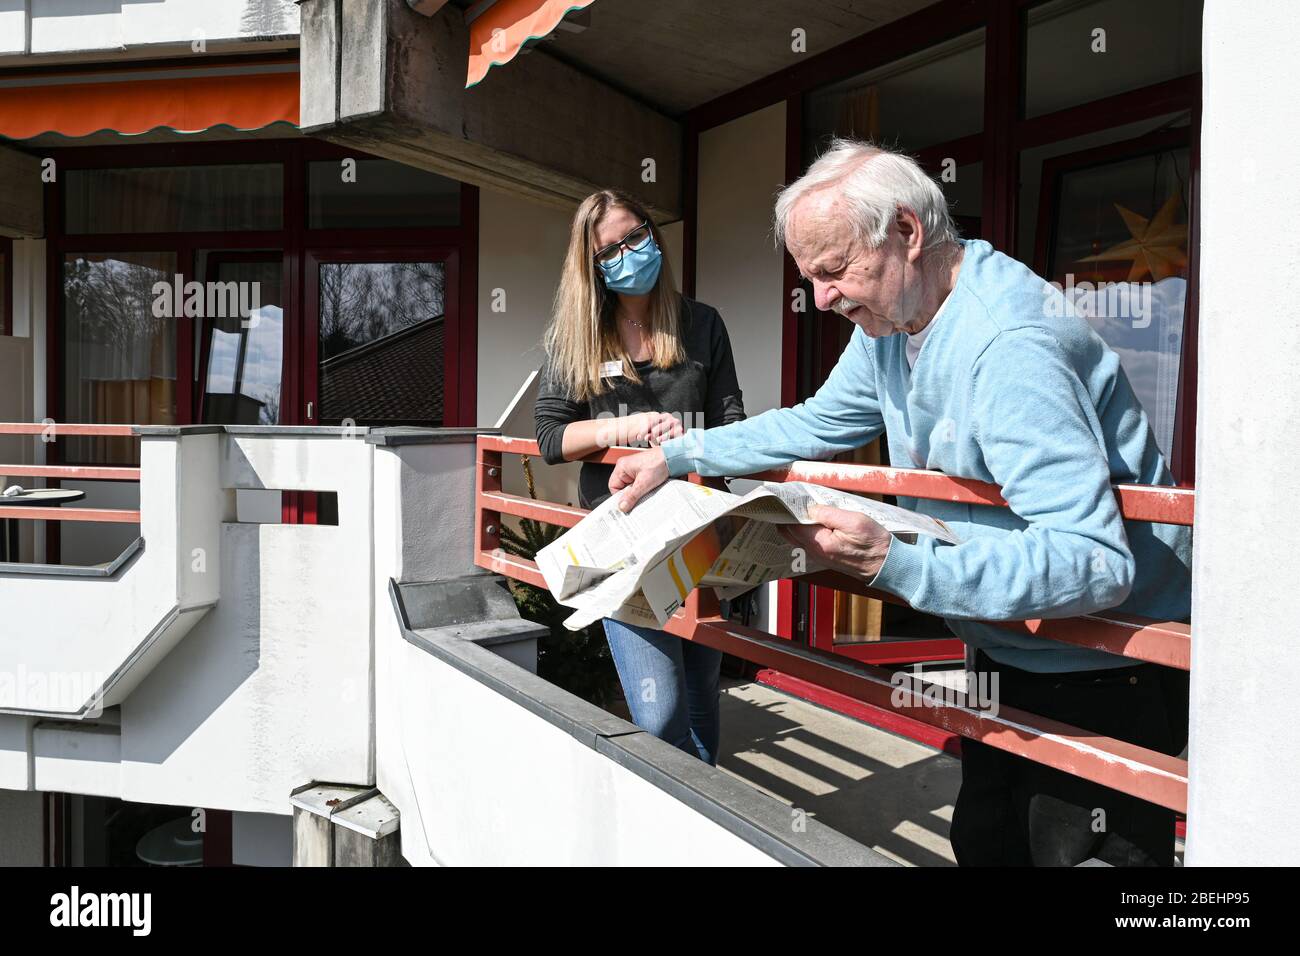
310 406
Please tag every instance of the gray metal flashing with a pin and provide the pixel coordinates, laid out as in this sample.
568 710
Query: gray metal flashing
327 799
174 431
307 431
374 817
760 820
406 435
109 570
389 436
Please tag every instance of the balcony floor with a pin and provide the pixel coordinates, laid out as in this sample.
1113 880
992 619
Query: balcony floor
885 791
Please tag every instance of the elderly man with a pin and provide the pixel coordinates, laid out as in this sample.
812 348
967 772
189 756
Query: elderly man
962 357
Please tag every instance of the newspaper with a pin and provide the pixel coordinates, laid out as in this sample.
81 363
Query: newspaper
639 567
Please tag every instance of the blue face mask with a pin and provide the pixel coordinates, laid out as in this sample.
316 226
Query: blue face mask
637 272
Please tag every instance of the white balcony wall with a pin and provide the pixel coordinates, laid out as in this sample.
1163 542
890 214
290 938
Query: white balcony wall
68 639
118 26
1242 774
273 688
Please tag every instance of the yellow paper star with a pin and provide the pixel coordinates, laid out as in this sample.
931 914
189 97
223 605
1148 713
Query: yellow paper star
1156 248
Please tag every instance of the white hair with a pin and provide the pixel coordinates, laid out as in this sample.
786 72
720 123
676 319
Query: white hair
871 184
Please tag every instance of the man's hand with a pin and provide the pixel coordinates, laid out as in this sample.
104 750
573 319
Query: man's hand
847 541
638 475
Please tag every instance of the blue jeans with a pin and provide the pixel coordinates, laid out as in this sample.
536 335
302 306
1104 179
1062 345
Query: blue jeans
671 686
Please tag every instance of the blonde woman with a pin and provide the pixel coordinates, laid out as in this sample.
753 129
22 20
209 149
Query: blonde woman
629 360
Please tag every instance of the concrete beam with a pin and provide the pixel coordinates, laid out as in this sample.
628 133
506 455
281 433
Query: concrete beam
22 200
380 77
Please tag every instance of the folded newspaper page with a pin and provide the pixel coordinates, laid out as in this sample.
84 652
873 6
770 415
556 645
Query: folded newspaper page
639 567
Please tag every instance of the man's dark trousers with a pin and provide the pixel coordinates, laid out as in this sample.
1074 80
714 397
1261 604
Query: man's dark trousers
1015 812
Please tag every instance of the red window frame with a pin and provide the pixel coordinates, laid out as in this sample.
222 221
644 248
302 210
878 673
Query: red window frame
7 286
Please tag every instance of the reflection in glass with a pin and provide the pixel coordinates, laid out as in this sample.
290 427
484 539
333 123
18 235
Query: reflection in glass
246 350
381 342
1119 250
921 100
119 354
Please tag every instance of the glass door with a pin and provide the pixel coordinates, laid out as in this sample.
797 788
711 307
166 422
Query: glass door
241 351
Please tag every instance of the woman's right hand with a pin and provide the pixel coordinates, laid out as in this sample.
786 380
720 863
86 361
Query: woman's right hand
653 427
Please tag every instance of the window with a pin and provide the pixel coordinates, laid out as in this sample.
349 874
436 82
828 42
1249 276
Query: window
378 193
231 198
381 342
1079 52
119 353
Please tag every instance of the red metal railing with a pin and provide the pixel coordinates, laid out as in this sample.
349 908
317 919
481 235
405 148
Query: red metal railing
1143 773
52 432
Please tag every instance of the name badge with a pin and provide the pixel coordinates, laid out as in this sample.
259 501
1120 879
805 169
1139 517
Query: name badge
611 369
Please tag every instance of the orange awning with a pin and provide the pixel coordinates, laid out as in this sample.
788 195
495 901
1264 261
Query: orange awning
142 99
500 31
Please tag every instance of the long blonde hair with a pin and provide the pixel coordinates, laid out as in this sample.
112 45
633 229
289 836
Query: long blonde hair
583 334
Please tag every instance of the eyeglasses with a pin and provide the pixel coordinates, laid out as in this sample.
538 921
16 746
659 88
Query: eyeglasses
634 240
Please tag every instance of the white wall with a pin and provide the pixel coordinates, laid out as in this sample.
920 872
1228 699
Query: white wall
521 249
739 272
1244 772
59 26
272 688
509 788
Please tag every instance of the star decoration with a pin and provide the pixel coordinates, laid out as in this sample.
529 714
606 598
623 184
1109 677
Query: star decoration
1156 248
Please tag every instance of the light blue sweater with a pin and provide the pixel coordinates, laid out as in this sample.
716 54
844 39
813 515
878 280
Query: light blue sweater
1004 390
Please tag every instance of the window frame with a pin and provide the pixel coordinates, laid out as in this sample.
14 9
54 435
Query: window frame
7 286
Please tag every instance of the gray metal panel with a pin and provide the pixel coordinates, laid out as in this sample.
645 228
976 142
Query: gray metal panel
408 435
461 602
363 45
173 431
373 818
318 89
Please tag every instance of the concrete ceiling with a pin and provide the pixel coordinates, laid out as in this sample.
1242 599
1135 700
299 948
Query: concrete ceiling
678 54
